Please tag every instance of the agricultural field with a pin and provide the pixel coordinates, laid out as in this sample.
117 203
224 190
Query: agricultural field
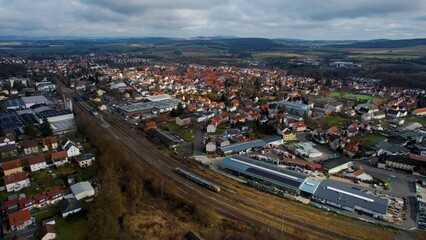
277 55
333 119
353 96
416 119
413 52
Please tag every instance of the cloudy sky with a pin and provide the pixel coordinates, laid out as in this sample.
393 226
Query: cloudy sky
304 19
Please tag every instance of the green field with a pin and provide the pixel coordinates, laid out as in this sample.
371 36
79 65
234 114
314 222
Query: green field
333 119
353 95
75 228
367 137
414 119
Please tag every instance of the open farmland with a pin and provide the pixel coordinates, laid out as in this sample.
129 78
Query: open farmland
353 95
413 52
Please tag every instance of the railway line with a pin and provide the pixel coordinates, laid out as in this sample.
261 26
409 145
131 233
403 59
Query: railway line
148 156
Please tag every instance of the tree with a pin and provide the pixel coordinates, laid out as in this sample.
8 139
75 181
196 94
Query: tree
223 99
2 133
328 83
179 109
31 130
46 128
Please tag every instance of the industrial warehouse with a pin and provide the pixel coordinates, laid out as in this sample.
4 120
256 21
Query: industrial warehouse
287 180
349 198
327 191
247 146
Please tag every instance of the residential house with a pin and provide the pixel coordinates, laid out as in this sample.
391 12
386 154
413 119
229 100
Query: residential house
59 158
82 190
150 124
71 149
49 144
69 206
383 147
85 160
27 203
222 141
350 149
10 167
237 118
30 147
333 131
409 163
396 113
299 126
183 120
55 195
42 200
8 146
211 147
419 112
359 175
48 232
211 127
11 205
37 162
288 135
335 107
16 182
20 220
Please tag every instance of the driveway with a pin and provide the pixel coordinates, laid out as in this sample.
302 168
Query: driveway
198 140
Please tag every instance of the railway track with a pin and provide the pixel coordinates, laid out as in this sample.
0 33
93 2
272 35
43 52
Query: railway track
223 203
276 219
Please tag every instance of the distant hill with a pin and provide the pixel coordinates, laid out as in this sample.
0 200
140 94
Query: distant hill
383 43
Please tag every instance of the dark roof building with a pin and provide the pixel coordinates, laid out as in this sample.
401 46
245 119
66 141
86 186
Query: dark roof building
164 137
349 198
244 146
259 171
69 206
335 165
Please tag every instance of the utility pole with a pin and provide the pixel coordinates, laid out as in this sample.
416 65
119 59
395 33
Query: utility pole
282 225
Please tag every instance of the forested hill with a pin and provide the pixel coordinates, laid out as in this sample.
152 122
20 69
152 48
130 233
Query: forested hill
384 43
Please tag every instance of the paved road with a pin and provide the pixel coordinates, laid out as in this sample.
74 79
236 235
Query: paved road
225 202
198 140
402 185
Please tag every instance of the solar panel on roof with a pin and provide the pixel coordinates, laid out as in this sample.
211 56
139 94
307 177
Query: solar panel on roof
274 177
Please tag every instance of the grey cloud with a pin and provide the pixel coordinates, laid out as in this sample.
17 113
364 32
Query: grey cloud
309 19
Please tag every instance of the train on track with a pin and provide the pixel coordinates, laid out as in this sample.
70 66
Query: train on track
198 179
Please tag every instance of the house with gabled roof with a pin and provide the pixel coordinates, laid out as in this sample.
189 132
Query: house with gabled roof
27 203
8 146
37 162
16 181
55 195
48 144
59 158
20 220
30 146
48 232
10 167
71 149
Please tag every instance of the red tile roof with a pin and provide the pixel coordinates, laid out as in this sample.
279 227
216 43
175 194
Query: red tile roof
57 155
19 218
16 177
303 163
11 204
11 164
55 193
36 159
29 143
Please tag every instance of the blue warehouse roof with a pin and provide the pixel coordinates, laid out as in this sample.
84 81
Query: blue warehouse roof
339 193
242 146
267 172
